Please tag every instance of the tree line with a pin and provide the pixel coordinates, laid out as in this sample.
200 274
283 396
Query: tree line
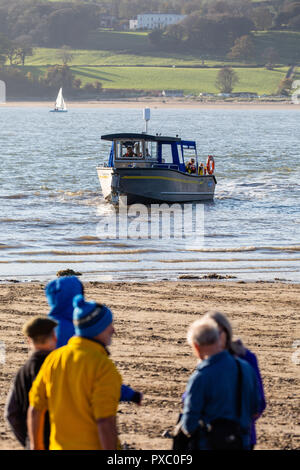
53 24
21 83
203 34
48 24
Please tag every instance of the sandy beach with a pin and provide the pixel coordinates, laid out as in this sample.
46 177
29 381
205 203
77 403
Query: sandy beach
159 103
152 355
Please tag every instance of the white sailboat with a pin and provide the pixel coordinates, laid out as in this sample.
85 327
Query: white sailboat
60 105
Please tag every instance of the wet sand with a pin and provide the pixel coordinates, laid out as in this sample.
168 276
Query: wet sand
151 352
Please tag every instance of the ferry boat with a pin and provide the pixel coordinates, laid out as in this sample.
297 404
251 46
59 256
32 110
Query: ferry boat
153 168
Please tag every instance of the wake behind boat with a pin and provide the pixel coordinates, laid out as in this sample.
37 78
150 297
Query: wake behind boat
152 168
60 105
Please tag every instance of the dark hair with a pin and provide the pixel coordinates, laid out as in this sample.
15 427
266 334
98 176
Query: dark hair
39 329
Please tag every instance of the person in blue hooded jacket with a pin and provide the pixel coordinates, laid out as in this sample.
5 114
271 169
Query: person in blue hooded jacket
60 294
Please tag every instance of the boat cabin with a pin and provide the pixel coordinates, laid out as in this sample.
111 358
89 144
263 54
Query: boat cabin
150 151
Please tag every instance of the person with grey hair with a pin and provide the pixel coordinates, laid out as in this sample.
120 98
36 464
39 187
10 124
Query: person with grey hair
221 395
238 349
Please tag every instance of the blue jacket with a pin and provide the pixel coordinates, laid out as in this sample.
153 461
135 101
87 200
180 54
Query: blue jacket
60 294
211 393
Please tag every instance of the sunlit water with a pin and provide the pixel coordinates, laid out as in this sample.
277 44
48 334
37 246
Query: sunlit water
51 201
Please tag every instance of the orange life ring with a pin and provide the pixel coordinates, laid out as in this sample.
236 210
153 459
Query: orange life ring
210 164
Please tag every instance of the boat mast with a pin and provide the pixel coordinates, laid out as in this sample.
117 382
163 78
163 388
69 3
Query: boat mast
146 116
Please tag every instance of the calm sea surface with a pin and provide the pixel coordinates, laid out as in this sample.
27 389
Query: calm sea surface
51 202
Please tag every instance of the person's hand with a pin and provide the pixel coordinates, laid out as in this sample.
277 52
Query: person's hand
137 398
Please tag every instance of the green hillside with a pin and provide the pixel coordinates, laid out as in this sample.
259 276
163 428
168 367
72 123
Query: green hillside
191 80
142 67
132 48
286 44
44 56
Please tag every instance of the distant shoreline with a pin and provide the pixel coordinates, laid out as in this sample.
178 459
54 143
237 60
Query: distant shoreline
159 104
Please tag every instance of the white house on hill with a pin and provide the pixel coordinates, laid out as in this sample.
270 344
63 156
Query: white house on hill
154 21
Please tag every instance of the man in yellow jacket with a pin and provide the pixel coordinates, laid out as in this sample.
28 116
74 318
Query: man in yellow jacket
79 386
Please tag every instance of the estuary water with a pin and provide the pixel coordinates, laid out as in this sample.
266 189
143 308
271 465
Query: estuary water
51 202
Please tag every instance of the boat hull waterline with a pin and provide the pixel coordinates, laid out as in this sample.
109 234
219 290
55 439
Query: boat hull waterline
58 111
146 185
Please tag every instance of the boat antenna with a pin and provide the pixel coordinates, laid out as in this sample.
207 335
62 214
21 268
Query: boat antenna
146 116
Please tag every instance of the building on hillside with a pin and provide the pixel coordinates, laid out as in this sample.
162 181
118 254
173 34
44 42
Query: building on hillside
150 21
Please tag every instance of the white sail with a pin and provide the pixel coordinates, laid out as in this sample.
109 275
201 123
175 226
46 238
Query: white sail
60 102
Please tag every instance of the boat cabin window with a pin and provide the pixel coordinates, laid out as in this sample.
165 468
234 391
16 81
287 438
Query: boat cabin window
166 154
151 150
135 149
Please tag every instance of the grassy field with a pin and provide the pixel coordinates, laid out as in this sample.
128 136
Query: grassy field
190 80
44 56
101 57
144 67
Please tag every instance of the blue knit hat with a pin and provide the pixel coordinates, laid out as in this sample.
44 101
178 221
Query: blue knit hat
90 318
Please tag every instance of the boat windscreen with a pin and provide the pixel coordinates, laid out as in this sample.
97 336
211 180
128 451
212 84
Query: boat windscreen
136 148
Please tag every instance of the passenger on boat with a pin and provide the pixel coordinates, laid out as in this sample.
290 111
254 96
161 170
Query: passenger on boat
190 166
130 153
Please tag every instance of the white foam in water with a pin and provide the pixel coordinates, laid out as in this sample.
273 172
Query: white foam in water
51 201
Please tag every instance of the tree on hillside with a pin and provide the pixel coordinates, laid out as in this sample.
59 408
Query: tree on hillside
12 54
213 34
5 45
236 8
262 18
243 49
59 76
24 47
271 56
294 23
70 26
28 18
287 13
175 32
190 7
219 7
156 37
3 20
65 55
285 86
227 78
95 87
